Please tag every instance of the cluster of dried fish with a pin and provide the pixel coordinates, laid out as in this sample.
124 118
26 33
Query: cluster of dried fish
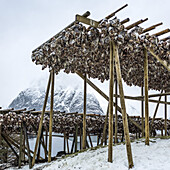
87 50
66 123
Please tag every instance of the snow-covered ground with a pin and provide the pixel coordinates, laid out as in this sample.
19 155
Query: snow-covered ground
153 157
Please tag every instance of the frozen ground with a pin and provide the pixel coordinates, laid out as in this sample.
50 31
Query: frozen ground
153 157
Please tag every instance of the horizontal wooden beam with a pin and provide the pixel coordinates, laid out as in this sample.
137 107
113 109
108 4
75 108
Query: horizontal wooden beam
113 14
151 27
136 23
6 110
107 98
161 32
87 21
164 63
124 21
19 110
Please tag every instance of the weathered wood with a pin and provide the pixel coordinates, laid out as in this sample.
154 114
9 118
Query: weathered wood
111 75
107 98
91 143
160 94
165 116
142 112
161 32
64 143
0 133
125 20
146 98
87 21
76 135
136 23
20 149
84 113
73 143
51 116
41 121
27 144
116 124
164 63
105 126
123 107
9 144
151 27
67 145
156 110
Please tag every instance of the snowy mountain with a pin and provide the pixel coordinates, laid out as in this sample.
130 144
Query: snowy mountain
68 100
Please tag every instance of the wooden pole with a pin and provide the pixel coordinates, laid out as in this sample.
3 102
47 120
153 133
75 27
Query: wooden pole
20 148
0 133
67 144
165 116
41 121
105 126
84 113
156 110
107 98
76 134
146 97
90 140
142 112
123 107
116 124
27 144
64 143
110 145
51 116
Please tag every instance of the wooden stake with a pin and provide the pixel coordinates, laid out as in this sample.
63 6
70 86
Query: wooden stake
110 145
90 140
116 124
123 107
41 121
105 126
84 114
76 134
20 148
142 112
67 144
51 116
27 144
165 116
156 110
146 98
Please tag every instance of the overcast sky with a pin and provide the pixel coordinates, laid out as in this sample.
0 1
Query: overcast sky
26 24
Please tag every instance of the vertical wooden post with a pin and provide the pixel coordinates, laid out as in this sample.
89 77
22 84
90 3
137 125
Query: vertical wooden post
156 110
67 144
110 145
142 112
20 148
116 103
80 138
0 133
146 97
91 143
27 144
123 107
84 113
165 116
41 121
51 116
46 137
64 143
76 133
105 126
24 148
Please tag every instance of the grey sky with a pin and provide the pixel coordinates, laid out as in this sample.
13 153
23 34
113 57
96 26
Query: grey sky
26 24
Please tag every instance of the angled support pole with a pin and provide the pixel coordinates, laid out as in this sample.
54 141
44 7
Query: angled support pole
51 116
164 63
41 121
84 113
146 97
156 110
107 98
123 107
111 75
